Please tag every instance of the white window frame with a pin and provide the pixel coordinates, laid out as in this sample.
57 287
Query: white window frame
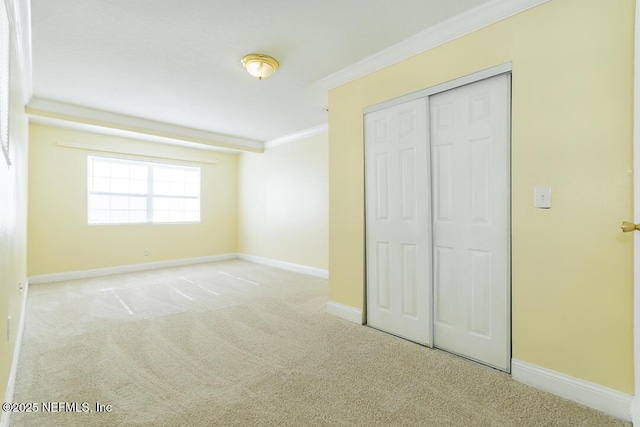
150 197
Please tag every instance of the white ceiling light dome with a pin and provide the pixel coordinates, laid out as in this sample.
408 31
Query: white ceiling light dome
260 65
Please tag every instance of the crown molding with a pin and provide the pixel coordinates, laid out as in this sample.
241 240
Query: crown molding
126 147
446 31
296 136
88 119
82 127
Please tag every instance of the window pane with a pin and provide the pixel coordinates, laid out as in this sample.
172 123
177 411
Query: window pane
191 205
119 191
160 216
101 185
119 216
120 186
161 203
161 188
176 189
98 202
192 190
138 186
192 216
177 204
139 173
138 216
177 175
99 216
119 170
176 216
101 169
161 174
192 177
138 203
119 202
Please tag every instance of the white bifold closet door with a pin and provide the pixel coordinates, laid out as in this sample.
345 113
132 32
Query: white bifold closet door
398 221
469 133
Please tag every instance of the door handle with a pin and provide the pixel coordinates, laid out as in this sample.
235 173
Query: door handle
629 226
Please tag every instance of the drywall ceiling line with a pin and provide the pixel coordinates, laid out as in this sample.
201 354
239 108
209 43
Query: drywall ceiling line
135 131
53 108
209 158
446 31
110 121
81 127
296 136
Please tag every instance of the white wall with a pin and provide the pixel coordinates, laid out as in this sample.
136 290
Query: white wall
284 203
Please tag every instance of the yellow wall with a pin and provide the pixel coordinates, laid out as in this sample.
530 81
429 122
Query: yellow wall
61 240
283 202
13 222
572 124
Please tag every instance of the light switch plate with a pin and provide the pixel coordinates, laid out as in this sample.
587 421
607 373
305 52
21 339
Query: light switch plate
542 197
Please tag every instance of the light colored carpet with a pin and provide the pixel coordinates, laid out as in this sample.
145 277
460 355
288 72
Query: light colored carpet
236 343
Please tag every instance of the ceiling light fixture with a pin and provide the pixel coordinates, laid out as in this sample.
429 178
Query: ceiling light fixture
259 65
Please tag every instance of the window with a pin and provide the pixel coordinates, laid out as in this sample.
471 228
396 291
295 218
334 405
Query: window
126 191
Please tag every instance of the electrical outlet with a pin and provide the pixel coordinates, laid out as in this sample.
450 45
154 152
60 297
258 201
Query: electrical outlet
146 252
8 328
20 288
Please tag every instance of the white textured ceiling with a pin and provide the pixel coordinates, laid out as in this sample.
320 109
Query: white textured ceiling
179 62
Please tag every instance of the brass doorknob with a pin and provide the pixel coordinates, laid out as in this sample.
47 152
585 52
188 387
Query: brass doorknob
629 226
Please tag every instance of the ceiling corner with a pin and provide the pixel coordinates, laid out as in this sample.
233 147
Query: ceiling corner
446 31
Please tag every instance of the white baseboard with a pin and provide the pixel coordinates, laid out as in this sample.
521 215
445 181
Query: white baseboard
8 396
345 312
595 396
84 274
298 268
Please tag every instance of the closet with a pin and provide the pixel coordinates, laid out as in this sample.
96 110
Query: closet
438 254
